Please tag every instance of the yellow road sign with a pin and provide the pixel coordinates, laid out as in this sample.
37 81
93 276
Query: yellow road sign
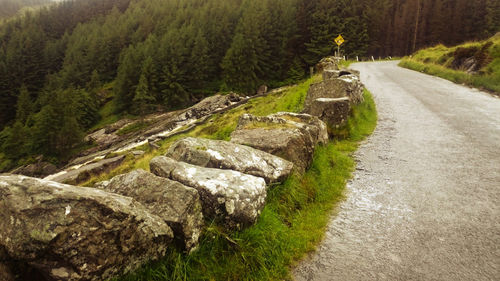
339 40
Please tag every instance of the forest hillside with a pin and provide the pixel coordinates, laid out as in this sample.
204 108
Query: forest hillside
63 67
9 8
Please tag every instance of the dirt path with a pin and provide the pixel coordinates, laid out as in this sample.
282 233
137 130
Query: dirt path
424 203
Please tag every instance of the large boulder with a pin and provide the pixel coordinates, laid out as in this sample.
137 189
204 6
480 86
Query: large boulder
77 233
312 124
327 63
230 196
178 205
332 111
287 135
232 156
82 173
343 86
336 73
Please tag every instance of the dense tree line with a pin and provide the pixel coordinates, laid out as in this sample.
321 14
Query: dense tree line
163 54
9 8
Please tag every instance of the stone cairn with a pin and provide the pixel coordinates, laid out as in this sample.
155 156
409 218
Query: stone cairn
56 231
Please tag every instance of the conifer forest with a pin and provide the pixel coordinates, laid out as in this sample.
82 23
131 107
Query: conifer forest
61 63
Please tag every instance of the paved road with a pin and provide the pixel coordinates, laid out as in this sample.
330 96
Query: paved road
424 203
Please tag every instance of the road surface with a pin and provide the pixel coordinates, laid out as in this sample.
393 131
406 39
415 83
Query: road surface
424 203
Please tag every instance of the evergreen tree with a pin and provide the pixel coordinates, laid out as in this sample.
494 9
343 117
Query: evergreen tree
95 82
143 99
24 105
240 65
15 144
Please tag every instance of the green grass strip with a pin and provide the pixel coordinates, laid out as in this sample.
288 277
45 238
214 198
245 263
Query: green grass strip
438 61
293 221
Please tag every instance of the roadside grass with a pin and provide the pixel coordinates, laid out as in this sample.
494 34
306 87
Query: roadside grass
438 60
296 214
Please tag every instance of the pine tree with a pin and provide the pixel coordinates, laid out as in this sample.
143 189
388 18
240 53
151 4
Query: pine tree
240 66
95 82
24 105
15 144
143 99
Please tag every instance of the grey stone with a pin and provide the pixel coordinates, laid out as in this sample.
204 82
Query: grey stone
40 169
102 137
332 111
336 73
287 135
77 233
138 153
327 63
84 172
178 205
312 124
209 105
232 156
230 196
344 86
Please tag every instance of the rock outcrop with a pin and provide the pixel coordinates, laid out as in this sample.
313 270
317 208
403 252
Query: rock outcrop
230 196
332 111
312 124
84 172
178 205
327 63
343 86
39 169
336 73
231 156
103 138
209 105
76 233
287 135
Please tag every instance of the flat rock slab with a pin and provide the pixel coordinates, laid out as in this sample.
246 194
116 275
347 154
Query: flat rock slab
332 111
287 135
231 156
209 105
178 205
84 172
77 233
231 196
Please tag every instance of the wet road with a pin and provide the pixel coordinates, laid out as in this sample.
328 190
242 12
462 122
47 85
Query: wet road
424 203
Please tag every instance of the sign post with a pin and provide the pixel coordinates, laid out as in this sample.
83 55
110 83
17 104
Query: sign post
339 40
